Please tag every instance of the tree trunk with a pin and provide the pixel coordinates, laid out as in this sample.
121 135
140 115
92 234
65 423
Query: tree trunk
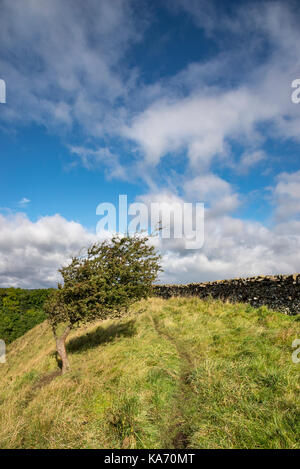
61 350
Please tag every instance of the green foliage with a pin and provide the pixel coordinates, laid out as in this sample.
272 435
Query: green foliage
104 281
20 310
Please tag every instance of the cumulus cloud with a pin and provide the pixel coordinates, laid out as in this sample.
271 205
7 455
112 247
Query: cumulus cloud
207 106
31 252
286 196
233 248
203 123
216 193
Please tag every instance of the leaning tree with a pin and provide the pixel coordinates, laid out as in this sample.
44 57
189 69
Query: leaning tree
102 282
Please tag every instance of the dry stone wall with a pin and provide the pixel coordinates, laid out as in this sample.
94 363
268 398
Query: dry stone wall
278 292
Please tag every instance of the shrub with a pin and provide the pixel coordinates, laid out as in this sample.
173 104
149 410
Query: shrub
103 282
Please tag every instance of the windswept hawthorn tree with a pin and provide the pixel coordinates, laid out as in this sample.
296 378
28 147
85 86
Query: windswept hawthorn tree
102 283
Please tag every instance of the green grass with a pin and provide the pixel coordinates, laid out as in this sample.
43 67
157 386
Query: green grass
178 373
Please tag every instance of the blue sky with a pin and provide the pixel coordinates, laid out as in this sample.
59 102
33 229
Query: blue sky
174 101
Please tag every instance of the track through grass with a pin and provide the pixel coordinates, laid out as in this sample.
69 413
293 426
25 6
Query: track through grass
178 373
178 432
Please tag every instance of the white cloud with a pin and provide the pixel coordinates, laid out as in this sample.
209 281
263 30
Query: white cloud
75 73
61 61
286 195
24 201
214 192
230 98
31 252
203 123
250 159
234 248
100 158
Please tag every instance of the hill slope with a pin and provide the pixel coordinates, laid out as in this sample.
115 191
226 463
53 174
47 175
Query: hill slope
178 373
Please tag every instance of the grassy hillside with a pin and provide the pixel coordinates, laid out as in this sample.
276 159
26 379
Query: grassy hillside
178 373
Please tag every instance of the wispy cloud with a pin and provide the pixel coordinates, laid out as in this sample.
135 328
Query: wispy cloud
73 72
24 201
101 157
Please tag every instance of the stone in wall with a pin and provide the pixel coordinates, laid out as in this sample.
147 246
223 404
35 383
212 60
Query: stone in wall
278 292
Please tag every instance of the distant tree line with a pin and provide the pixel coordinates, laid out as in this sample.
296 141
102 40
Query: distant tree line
20 310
